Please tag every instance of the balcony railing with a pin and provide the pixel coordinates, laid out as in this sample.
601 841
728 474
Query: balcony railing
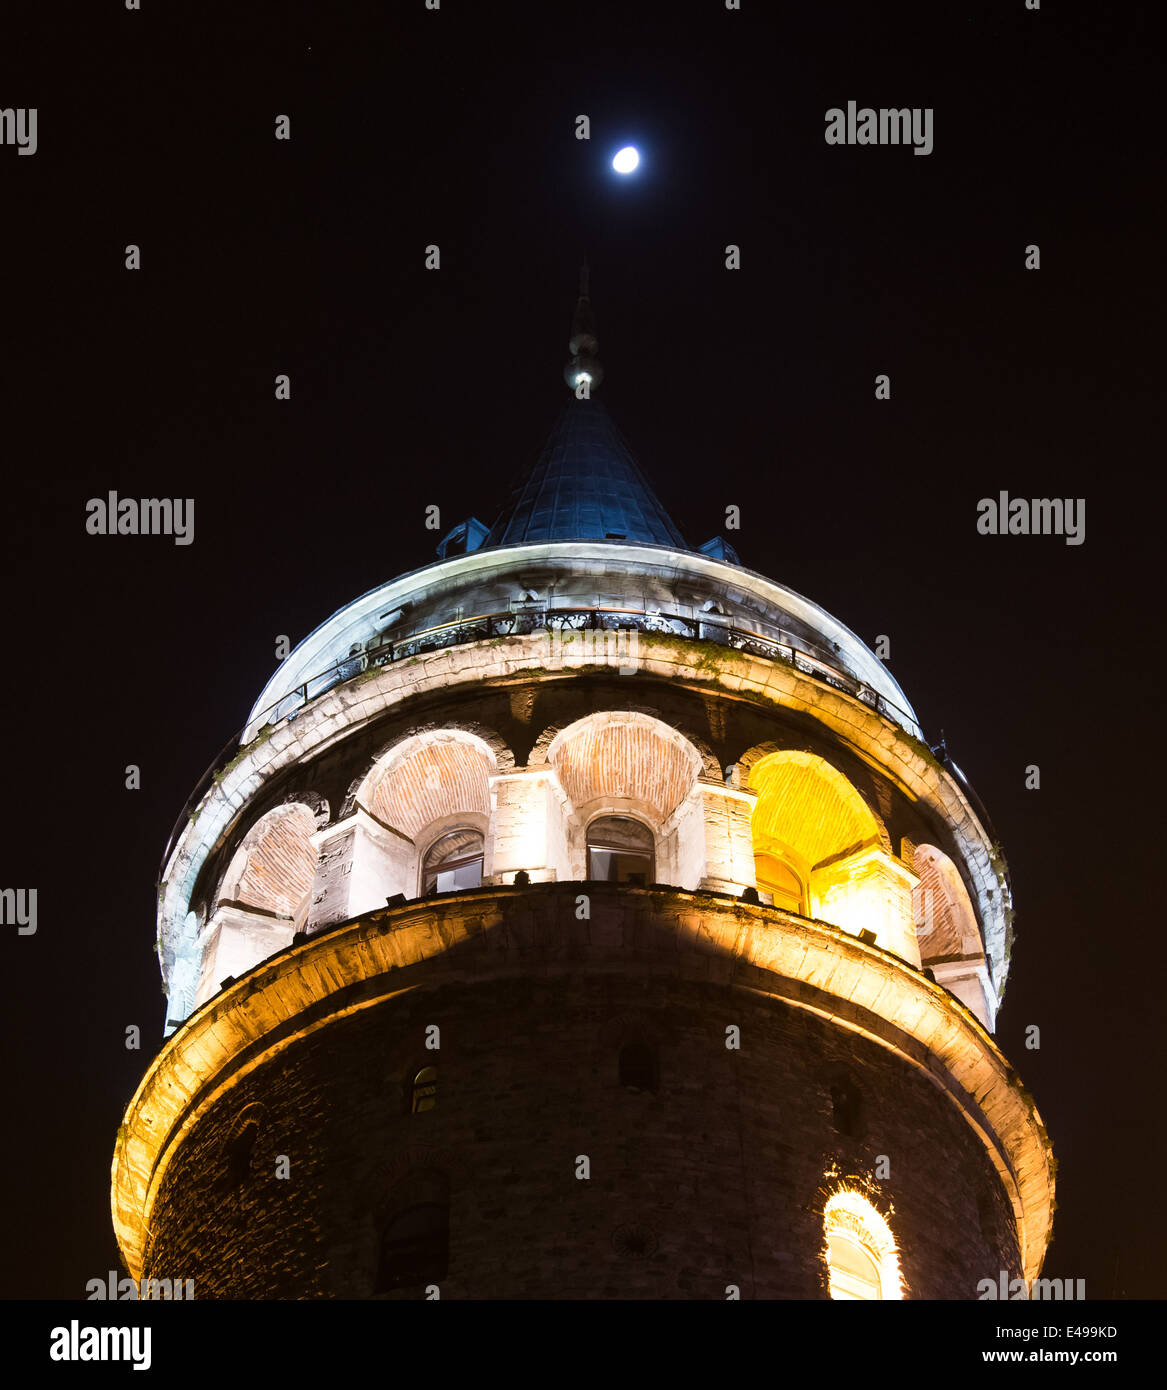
382 651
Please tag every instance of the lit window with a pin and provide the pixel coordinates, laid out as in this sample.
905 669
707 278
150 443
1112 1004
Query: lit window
425 1090
780 881
453 862
620 850
861 1252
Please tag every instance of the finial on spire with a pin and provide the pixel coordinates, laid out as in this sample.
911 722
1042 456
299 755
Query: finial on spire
584 368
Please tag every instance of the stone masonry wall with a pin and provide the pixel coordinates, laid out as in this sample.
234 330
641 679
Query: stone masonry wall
718 1178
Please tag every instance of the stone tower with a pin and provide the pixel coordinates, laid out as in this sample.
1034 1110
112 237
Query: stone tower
582 916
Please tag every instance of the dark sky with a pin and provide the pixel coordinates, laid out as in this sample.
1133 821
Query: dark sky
753 387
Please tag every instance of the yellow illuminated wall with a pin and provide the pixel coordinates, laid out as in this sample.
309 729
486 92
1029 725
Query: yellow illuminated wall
811 827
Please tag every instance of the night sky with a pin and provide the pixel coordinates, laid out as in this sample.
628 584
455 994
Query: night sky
410 388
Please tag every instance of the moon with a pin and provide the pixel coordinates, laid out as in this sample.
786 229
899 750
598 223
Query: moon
626 160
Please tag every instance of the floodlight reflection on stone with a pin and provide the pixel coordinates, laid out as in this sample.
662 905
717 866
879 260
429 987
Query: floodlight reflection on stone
667 784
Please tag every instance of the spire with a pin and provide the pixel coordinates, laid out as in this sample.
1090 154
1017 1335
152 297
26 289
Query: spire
583 345
585 484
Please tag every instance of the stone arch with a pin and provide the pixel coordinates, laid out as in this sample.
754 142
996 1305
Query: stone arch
264 897
424 783
710 765
808 810
859 1249
428 777
949 938
255 1112
617 756
946 923
314 801
238 1148
754 761
630 764
493 744
811 820
273 868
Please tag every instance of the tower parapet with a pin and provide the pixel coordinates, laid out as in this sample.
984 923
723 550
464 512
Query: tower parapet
615 817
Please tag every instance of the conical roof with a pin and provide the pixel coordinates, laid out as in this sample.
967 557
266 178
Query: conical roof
585 485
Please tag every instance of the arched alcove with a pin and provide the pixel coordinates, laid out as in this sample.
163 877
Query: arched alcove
428 778
273 868
946 929
264 898
817 842
629 766
422 790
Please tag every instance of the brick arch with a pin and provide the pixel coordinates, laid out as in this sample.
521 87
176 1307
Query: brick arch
275 863
952 929
745 762
608 759
836 788
710 766
314 801
428 777
494 746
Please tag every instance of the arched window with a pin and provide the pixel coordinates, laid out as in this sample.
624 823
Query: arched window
638 1068
424 1092
453 862
239 1153
861 1251
415 1247
241 1144
620 850
779 880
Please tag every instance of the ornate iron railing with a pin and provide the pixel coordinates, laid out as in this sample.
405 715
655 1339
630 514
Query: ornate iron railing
379 652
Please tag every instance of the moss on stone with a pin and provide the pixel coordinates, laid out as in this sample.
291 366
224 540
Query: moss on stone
921 749
260 739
